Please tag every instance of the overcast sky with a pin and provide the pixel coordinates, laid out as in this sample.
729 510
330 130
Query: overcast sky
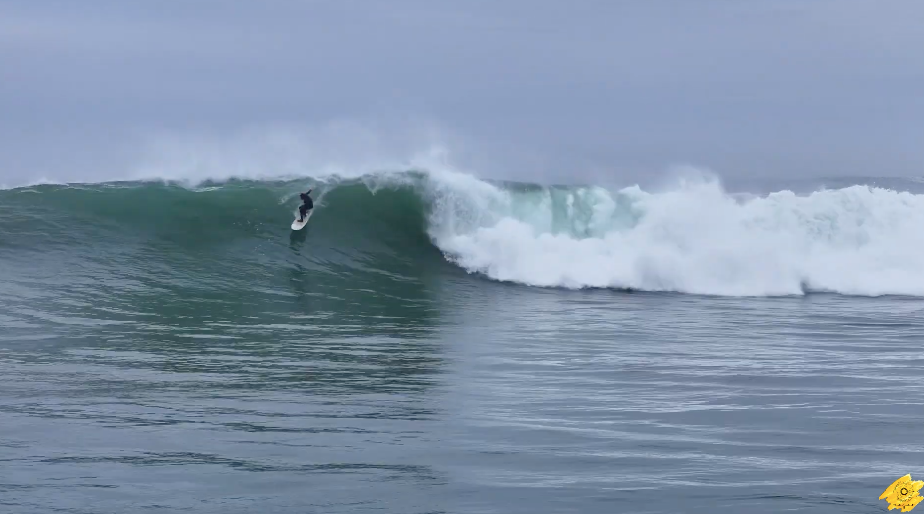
512 87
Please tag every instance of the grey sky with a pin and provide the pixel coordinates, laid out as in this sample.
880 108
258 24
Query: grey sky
516 87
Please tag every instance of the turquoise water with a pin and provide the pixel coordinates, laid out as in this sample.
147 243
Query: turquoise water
175 349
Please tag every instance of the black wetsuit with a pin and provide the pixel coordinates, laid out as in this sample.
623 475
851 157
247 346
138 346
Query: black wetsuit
305 207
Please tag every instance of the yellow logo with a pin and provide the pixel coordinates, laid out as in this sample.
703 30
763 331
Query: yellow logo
903 494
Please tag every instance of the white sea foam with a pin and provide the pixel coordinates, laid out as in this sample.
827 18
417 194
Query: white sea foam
695 238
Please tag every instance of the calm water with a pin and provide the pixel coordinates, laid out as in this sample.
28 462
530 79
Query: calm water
258 371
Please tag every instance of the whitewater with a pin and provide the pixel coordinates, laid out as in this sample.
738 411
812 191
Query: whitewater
695 238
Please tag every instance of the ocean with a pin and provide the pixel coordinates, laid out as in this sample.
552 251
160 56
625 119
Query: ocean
439 343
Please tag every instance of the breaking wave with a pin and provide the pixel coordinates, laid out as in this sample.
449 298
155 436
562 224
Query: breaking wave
691 238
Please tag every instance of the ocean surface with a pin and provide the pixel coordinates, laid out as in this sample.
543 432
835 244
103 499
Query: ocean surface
438 343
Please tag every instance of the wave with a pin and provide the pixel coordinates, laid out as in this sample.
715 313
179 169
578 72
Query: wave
691 238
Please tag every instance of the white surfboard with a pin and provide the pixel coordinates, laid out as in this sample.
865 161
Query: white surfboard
296 225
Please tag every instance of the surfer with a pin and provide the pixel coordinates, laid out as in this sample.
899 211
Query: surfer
306 206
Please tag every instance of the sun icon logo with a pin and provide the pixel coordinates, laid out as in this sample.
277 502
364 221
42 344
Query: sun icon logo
903 494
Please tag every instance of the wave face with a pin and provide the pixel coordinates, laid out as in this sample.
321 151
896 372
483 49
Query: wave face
693 238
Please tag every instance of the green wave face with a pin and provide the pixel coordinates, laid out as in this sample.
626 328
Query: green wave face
415 226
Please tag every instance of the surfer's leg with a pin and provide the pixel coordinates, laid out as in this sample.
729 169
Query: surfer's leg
301 213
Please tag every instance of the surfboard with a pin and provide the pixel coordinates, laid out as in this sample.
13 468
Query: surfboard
298 226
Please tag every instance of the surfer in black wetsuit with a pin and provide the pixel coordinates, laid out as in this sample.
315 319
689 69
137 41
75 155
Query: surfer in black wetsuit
306 206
